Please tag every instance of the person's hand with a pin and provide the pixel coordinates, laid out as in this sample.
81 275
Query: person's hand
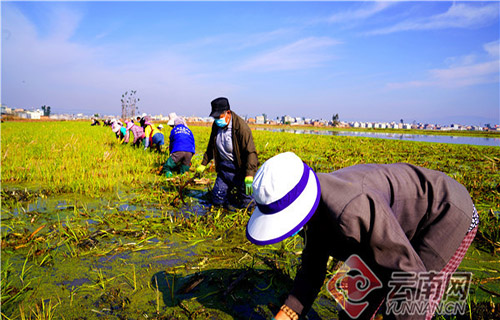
281 316
248 185
286 313
200 169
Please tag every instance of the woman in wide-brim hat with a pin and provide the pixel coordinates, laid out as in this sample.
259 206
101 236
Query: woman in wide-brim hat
391 217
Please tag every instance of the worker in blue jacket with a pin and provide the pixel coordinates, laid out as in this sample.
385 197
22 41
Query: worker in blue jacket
182 148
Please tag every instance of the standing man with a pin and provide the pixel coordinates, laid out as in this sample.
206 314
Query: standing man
389 222
232 148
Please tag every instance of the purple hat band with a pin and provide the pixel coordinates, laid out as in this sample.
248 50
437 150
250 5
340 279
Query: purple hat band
288 198
302 223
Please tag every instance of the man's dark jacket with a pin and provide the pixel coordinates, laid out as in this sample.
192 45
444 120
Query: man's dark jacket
245 155
396 217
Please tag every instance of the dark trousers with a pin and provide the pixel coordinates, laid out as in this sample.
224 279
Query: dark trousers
178 161
229 187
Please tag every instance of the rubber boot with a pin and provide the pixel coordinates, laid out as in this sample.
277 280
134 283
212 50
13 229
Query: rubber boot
183 168
168 174
169 165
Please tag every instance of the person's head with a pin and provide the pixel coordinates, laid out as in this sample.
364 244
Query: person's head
160 127
221 111
287 193
171 118
178 121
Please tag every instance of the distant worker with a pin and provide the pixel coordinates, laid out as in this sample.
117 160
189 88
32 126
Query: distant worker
154 137
182 148
232 148
171 118
123 133
115 127
95 122
387 222
137 132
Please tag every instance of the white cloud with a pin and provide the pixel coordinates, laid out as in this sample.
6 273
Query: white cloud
64 22
360 14
53 70
459 15
305 53
256 39
462 72
492 48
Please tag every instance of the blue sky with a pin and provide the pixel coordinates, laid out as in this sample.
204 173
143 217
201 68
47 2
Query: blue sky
432 61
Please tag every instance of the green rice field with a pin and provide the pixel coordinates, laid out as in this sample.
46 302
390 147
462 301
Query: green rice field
90 230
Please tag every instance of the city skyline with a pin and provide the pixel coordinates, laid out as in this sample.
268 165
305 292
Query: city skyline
434 61
257 119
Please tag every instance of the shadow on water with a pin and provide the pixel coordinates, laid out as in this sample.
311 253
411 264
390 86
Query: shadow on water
219 293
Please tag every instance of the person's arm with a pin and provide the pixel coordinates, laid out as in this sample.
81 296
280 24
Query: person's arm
248 151
146 140
209 154
171 140
312 272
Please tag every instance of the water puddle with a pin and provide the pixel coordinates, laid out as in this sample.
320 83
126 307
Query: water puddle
120 256
479 141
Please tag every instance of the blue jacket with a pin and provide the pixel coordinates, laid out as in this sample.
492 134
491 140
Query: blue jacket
181 139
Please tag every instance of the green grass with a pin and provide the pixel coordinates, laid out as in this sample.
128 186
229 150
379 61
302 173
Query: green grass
64 185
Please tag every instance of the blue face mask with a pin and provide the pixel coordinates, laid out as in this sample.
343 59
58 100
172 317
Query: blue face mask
221 122
297 232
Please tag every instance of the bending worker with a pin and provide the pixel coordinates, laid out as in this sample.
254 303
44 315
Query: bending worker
232 148
154 137
138 133
386 220
181 146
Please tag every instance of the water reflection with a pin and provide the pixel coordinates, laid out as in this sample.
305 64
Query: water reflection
478 141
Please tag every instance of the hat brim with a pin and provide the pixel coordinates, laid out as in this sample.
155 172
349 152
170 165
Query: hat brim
170 122
265 228
216 114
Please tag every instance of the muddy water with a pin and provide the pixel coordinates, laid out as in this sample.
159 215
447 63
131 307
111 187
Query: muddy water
115 257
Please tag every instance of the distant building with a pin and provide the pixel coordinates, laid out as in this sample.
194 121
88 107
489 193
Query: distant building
6 110
35 114
260 120
287 119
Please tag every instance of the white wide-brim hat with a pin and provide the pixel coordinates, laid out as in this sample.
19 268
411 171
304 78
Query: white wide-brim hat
171 118
287 193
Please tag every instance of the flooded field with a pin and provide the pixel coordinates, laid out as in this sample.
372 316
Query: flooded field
90 231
